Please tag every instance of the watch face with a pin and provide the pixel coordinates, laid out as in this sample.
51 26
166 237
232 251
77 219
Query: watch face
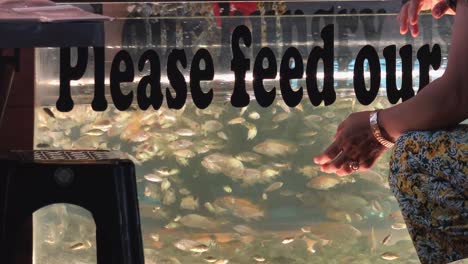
373 117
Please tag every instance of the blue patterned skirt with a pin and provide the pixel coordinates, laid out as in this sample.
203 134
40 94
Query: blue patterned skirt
429 178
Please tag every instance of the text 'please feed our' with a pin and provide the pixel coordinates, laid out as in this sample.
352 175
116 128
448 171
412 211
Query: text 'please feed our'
240 66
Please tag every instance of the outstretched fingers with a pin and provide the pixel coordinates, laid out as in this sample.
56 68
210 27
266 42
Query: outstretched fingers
403 19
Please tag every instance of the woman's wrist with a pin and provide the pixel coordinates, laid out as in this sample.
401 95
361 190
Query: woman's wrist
387 130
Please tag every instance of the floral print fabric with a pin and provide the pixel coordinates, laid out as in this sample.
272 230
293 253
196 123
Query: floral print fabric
429 178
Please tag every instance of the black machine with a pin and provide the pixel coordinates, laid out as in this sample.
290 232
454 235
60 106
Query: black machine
95 180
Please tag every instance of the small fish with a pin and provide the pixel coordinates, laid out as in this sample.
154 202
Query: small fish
153 178
243 109
177 218
210 207
172 225
386 239
389 256
283 106
264 196
252 130
165 171
376 206
280 117
282 165
243 229
398 226
227 189
189 203
287 193
237 120
313 118
49 112
78 246
94 132
395 215
323 182
211 126
186 244
287 240
154 237
373 245
104 124
184 191
259 258
254 115
274 186
184 153
329 115
309 171
248 157
165 185
185 132
300 107
210 259
222 135
200 248
309 133
43 145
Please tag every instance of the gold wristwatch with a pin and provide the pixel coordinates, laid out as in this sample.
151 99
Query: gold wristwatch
376 130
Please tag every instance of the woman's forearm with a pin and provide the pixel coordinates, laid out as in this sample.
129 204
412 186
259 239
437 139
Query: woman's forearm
434 107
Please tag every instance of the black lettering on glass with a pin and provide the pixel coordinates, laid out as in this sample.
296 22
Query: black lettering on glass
240 65
121 101
370 54
406 54
153 80
99 102
291 98
68 73
393 93
427 58
263 97
326 53
201 100
176 79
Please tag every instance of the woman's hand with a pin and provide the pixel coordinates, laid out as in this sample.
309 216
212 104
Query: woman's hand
353 141
408 17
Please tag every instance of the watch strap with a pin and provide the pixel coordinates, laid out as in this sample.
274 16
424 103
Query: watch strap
376 130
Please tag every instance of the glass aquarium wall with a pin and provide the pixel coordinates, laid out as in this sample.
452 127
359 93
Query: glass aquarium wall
232 180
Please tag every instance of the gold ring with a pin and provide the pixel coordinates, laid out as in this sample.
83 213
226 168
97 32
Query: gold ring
354 165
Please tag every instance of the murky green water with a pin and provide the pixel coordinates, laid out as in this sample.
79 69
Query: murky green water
228 184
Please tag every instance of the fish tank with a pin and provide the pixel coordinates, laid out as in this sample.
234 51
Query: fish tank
198 96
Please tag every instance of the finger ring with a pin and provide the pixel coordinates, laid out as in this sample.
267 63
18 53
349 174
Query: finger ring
354 165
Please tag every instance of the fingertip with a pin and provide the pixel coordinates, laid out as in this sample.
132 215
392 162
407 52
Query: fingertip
319 160
403 31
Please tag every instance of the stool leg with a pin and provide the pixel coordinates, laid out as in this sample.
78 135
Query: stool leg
118 230
7 73
115 243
